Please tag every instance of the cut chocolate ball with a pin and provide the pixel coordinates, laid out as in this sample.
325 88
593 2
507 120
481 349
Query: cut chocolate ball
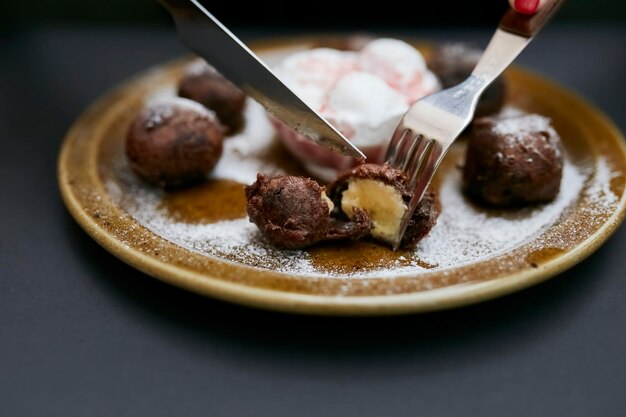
358 226
381 192
513 161
454 62
423 220
174 142
294 212
202 83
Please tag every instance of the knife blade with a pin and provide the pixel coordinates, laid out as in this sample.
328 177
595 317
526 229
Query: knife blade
211 40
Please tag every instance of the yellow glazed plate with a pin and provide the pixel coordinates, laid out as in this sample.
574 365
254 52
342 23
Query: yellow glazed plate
200 240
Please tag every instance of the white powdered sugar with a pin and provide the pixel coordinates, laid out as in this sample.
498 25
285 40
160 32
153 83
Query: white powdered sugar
517 129
237 240
515 125
198 67
464 233
600 189
241 159
233 240
161 108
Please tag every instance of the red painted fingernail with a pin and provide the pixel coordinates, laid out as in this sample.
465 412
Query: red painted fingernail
526 6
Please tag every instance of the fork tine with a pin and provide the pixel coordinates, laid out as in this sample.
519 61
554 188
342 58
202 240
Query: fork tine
425 134
429 167
412 157
405 148
422 169
413 146
419 162
393 150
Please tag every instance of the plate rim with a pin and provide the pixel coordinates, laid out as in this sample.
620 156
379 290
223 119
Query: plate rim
376 305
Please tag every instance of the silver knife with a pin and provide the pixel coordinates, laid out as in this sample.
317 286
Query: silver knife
210 39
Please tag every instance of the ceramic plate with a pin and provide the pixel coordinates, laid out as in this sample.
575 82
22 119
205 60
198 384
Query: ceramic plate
199 238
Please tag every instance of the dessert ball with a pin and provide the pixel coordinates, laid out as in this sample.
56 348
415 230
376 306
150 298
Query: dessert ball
513 161
174 142
454 62
202 83
294 212
381 192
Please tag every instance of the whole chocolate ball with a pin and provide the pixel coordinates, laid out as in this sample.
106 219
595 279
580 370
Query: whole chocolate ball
202 83
174 142
513 161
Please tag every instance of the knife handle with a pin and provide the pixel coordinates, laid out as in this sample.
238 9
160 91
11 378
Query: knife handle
527 25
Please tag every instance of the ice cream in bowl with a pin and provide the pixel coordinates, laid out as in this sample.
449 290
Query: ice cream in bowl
362 93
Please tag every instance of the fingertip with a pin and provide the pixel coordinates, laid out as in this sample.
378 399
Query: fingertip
525 6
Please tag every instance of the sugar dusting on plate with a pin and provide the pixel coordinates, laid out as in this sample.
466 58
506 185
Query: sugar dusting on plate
464 233
240 159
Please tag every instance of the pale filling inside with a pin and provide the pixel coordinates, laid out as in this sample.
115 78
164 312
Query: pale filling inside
331 206
383 204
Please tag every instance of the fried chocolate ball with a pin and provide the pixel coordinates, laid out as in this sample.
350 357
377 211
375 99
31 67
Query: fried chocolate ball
202 83
294 212
513 161
454 62
381 192
174 142
423 220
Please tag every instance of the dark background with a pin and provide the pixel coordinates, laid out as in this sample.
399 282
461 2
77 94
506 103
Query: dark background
301 14
84 334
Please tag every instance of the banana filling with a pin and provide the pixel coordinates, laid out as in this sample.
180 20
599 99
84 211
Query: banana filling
383 204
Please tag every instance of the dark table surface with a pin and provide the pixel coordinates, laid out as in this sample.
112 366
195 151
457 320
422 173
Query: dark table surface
82 334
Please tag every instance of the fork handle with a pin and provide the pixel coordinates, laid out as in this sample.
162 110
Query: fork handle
527 25
513 34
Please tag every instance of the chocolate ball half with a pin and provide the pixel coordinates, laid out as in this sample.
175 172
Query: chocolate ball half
294 212
381 192
174 142
513 161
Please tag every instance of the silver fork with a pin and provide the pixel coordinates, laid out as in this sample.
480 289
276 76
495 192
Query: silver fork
433 123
